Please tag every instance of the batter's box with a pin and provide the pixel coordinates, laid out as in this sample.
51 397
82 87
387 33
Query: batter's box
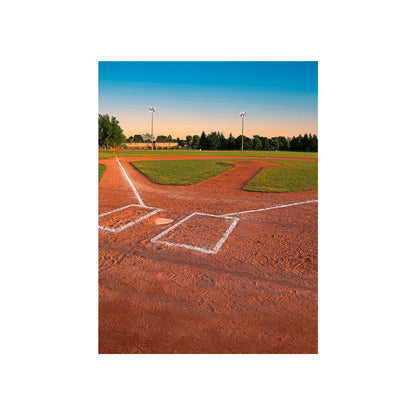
200 232
124 217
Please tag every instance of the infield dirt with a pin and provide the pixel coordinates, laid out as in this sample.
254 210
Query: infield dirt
257 294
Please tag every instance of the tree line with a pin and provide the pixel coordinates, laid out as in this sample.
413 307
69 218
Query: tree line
147 137
217 141
110 134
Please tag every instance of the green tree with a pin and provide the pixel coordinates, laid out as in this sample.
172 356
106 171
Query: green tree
223 142
103 129
231 145
147 137
305 143
295 144
109 131
203 142
216 140
213 140
283 143
138 138
116 133
189 140
265 143
273 144
280 143
247 143
195 142
257 144
314 143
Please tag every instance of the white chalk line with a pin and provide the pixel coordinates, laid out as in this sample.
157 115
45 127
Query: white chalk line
141 205
203 250
215 250
156 239
269 208
129 224
225 236
132 186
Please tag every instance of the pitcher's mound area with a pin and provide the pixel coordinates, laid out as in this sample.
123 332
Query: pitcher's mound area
200 232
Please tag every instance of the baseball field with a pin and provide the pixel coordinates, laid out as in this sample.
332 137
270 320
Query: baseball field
208 252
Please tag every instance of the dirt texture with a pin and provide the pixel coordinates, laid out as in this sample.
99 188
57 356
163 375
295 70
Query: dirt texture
257 294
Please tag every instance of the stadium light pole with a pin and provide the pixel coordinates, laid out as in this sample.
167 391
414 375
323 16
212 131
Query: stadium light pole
243 114
152 109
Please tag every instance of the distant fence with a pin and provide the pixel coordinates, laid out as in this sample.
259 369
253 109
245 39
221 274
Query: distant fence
145 146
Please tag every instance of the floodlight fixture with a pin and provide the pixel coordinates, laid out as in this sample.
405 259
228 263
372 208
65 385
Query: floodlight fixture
243 115
152 109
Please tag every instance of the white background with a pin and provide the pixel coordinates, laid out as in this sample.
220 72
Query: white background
49 105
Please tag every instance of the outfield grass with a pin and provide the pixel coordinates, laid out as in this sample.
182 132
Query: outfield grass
233 153
101 169
181 172
288 177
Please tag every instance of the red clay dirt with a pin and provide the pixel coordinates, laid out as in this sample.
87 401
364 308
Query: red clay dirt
257 294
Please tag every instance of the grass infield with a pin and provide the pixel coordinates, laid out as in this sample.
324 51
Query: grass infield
181 172
288 177
234 153
101 169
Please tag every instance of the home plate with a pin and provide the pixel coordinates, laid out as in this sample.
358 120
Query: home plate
162 221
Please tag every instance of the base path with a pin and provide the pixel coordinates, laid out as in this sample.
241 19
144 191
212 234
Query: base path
249 287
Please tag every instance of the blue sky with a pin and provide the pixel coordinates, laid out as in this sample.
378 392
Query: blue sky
280 98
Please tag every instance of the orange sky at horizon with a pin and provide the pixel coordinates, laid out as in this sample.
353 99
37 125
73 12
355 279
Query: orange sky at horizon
182 128
280 98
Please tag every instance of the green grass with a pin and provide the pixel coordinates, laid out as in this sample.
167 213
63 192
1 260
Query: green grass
233 153
181 172
288 177
101 169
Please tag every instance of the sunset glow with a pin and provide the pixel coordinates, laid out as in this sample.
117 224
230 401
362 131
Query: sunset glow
280 98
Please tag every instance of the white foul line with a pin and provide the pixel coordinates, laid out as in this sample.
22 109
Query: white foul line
267 209
132 186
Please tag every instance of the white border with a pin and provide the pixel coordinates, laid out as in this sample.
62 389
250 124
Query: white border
201 249
378 376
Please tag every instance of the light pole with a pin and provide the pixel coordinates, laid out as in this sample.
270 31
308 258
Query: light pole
152 109
243 114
